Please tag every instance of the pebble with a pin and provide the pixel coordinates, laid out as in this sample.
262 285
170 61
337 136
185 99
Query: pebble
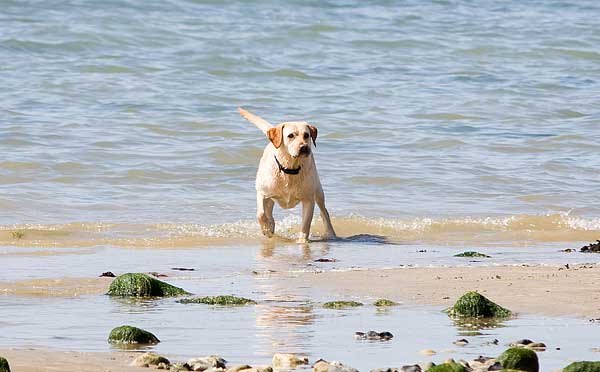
372 335
238 368
286 360
461 342
108 274
521 342
325 366
427 352
211 362
149 359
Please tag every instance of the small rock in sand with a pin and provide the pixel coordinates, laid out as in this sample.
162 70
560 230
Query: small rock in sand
108 274
149 359
206 363
287 360
427 352
461 342
177 367
372 335
325 366
240 367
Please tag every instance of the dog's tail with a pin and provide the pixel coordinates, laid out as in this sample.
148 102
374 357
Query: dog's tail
261 123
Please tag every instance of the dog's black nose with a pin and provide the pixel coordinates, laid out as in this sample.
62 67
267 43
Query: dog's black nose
304 149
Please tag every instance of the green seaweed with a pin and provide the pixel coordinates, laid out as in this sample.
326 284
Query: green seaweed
131 335
475 305
228 300
17 234
4 367
384 302
583 366
471 254
448 367
341 304
520 359
142 285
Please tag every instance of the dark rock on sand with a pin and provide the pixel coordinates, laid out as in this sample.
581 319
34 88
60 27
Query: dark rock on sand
461 342
131 335
4 367
108 274
591 248
228 300
384 302
471 254
411 368
523 342
341 304
373 335
475 305
448 367
584 366
325 260
520 359
150 359
142 285
182 269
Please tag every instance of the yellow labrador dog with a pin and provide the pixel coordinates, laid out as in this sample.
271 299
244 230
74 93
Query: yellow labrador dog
287 175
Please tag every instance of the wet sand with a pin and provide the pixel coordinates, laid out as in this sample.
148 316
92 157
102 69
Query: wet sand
547 290
35 360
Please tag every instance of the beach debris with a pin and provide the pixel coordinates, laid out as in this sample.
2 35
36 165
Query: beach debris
288 360
592 247
373 335
227 300
182 269
142 285
207 363
519 358
150 359
475 305
583 366
461 342
448 367
325 260
341 304
108 274
4 367
333 366
131 335
384 302
472 254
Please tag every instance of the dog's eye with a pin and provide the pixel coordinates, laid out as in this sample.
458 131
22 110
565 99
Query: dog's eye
291 135
305 135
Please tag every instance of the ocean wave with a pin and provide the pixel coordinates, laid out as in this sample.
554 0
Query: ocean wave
516 230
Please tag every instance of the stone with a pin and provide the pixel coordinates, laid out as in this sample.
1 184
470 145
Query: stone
471 254
425 366
180 367
461 342
427 352
382 302
521 342
238 368
4 367
373 335
207 363
325 366
108 274
341 304
475 305
412 368
150 359
584 366
448 367
228 300
537 346
131 335
592 247
288 360
520 358
162 366
142 285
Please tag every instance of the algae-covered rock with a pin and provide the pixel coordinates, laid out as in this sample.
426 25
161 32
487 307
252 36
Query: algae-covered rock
471 254
448 367
218 300
384 302
341 304
142 285
150 359
520 359
584 366
4 365
131 335
474 305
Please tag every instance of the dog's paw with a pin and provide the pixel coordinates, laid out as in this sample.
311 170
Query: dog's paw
302 239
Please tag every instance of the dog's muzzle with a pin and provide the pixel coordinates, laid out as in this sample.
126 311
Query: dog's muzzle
304 150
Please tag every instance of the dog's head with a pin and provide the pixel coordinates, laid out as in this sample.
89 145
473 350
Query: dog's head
294 136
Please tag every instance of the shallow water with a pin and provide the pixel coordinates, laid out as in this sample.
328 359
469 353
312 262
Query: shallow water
444 126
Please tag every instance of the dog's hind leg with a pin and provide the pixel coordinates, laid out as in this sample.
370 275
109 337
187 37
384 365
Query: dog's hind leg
330 232
265 215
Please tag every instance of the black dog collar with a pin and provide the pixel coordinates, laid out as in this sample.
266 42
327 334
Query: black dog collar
287 170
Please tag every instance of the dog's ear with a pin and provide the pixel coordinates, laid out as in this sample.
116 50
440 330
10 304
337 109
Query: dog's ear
313 134
275 135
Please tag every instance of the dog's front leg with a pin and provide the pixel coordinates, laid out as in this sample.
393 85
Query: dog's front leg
264 214
308 209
